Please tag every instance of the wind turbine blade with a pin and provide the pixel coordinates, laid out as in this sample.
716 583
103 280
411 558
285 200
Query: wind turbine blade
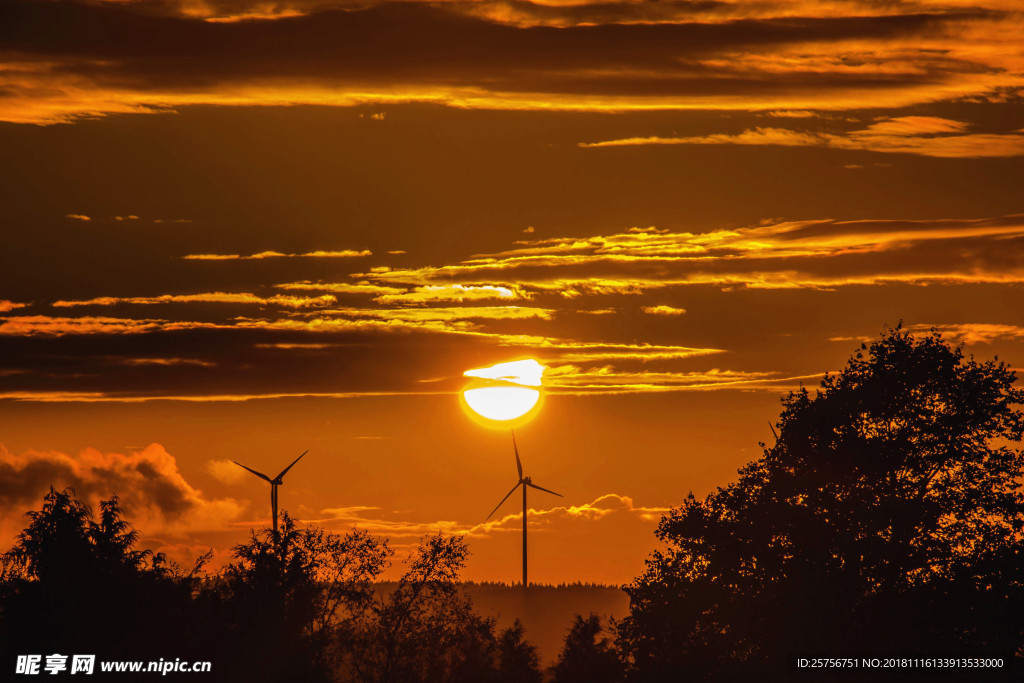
544 489
258 474
772 427
503 500
285 470
519 465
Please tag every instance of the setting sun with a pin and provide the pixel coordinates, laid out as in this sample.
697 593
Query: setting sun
504 392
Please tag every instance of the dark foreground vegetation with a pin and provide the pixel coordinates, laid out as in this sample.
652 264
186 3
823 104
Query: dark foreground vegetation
887 518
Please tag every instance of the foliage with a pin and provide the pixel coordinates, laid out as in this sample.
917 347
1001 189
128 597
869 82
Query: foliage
72 580
425 629
298 605
886 517
518 661
587 656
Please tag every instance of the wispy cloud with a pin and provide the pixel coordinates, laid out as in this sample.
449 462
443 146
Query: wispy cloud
974 333
819 254
662 309
379 521
616 56
78 217
572 379
165 362
341 253
6 305
921 135
203 298
341 287
457 292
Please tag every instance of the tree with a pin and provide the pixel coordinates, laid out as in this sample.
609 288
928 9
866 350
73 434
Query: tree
425 629
887 517
587 656
287 599
71 581
518 661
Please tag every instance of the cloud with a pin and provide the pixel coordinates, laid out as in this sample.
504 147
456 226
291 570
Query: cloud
579 534
78 217
376 520
457 292
920 135
6 305
32 325
974 333
58 396
65 60
607 379
606 506
342 253
812 254
165 362
153 492
662 309
444 314
341 287
225 471
204 298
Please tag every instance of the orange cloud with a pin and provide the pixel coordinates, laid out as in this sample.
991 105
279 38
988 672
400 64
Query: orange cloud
166 361
921 135
820 254
663 310
205 298
341 287
575 380
343 253
153 492
456 292
6 305
974 333
444 314
579 534
793 56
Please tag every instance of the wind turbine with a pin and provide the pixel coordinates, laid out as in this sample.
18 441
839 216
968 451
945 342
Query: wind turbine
274 483
524 482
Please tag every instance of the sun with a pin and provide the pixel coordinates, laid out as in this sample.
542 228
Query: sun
505 394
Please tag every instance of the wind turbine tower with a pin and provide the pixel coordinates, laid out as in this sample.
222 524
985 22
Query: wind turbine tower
524 482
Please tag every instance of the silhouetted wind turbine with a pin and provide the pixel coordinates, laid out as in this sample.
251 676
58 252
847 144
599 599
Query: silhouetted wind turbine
524 482
274 483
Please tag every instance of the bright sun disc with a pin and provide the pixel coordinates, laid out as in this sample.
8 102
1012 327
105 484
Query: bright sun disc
504 392
501 403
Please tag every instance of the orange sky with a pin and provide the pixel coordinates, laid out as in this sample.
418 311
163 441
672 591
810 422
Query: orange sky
237 231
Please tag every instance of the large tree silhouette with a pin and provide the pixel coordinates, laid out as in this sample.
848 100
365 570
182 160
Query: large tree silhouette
71 581
424 630
587 655
886 517
285 598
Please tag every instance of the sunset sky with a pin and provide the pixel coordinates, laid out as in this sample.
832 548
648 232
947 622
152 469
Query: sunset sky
241 230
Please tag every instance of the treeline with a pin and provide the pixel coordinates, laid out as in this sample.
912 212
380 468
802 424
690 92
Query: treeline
300 606
887 519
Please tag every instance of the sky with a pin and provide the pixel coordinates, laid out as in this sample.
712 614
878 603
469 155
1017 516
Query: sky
241 230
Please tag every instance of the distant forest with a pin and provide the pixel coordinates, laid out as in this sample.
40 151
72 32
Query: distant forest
887 518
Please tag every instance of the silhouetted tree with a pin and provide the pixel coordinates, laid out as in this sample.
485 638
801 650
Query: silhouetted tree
287 600
425 630
587 656
518 661
72 582
886 517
